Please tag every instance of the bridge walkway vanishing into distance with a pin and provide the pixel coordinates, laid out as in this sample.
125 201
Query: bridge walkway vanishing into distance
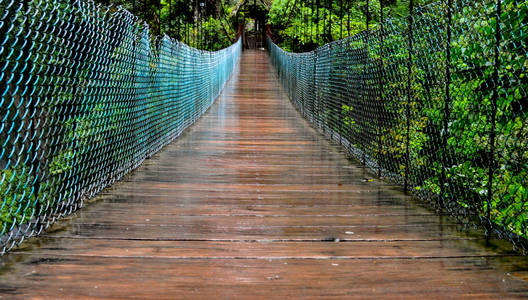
251 202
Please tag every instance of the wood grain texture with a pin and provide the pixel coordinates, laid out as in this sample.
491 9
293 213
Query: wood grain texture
252 203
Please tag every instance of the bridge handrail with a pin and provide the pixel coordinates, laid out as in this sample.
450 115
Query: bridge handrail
436 102
86 95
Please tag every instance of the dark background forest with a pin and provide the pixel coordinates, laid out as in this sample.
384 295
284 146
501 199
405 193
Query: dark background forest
297 25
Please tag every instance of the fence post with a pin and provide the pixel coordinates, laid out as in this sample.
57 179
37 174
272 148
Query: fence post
135 101
328 119
342 68
303 94
409 97
341 19
443 179
74 111
364 81
33 114
315 105
317 24
381 87
494 99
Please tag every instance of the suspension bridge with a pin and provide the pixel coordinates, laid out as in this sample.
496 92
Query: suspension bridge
134 168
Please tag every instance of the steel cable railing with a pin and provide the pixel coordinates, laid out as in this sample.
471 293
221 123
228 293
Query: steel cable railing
436 102
85 97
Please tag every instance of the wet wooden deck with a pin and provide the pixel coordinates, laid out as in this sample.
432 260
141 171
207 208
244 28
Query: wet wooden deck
253 203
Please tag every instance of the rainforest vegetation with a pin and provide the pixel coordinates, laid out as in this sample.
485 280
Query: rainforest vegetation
296 25
439 103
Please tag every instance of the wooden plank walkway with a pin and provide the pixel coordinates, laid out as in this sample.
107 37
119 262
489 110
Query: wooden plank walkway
253 203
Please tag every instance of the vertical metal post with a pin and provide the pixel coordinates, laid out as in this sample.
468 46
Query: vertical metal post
316 91
494 98
322 33
409 95
341 19
303 29
178 20
199 27
171 27
309 18
317 24
366 90
443 177
324 22
134 81
329 23
348 17
303 100
74 110
368 15
311 21
305 21
206 38
190 26
33 115
381 87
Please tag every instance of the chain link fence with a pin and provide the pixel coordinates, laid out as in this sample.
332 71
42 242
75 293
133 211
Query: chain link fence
85 96
436 102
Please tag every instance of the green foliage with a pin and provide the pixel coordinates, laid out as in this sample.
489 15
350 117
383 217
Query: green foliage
472 90
298 25
212 39
208 27
16 186
452 145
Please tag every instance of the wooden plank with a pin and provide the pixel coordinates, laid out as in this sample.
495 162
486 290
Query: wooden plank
252 203
260 221
319 233
117 210
264 249
54 277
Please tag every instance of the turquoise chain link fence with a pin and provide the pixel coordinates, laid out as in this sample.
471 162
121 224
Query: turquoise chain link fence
437 102
85 96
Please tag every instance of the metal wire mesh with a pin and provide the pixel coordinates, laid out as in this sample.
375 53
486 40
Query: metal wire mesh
436 102
86 96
